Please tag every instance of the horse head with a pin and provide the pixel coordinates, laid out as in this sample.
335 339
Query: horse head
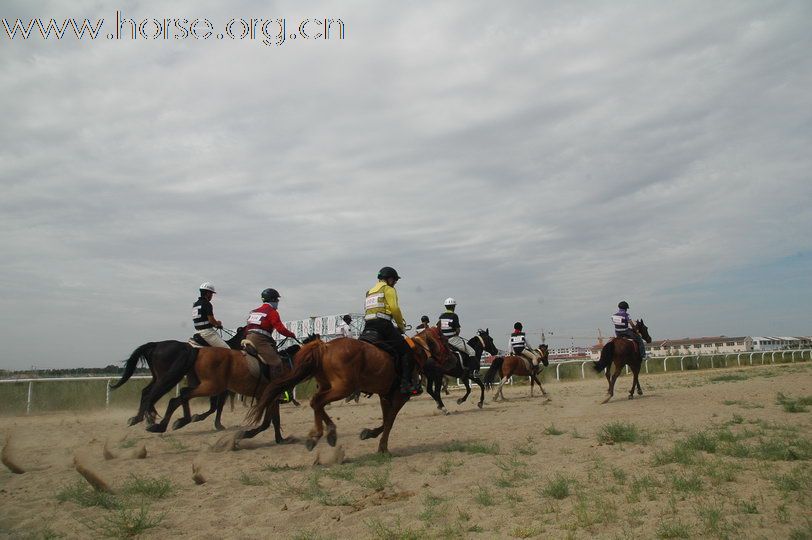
544 351
487 341
642 329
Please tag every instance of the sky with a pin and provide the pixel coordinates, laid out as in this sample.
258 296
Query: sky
537 161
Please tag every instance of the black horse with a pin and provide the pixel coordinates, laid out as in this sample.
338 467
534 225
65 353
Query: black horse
159 357
435 372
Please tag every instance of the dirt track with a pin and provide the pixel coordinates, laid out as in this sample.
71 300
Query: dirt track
756 484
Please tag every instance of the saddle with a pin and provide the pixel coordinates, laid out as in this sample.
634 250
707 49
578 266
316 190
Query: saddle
197 341
374 338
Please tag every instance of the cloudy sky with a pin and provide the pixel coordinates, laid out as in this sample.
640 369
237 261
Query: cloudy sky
538 161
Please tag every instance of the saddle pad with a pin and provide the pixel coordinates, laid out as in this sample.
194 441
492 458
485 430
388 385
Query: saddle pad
257 369
411 342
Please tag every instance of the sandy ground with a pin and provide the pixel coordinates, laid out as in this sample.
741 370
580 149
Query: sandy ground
615 490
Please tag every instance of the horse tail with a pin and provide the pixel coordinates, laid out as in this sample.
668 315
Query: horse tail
308 361
141 353
177 371
496 367
607 354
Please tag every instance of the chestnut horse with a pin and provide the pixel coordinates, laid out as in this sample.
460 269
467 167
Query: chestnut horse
621 352
343 367
219 370
159 357
510 365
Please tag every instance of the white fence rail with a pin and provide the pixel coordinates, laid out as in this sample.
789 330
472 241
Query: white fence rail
792 355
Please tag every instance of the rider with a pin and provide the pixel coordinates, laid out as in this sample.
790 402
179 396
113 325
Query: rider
203 317
520 347
380 311
424 323
625 327
450 328
261 323
344 329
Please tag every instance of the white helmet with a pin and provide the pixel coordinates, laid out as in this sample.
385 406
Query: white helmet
450 302
207 286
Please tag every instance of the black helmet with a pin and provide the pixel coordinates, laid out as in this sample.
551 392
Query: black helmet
623 304
424 319
270 295
347 319
517 326
388 272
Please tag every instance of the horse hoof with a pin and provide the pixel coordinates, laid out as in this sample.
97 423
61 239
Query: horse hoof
219 427
179 423
132 421
310 444
286 440
631 396
365 434
332 437
606 400
156 428
460 401
445 411
196 418
479 404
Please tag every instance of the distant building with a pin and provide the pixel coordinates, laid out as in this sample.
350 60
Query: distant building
771 343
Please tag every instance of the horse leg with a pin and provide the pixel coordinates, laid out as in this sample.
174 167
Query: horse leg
173 404
481 391
318 402
612 379
445 386
222 402
397 402
141 405
464 378
371 433
433 387
213 402
637 378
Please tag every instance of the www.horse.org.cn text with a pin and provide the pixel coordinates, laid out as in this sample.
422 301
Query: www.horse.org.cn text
268 31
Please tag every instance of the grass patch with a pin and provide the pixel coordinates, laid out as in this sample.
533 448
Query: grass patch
345 471
645 483
176 445
127 443
433 508
729 377
125 523
797 480
747 507
593 510
619 475
377 480
373 460
483 496
552 430
249 480
272 467
619 432
82 494
526 531
687 484
472 447
527 448
448 464
380 530
678 453
703 441
557 488
148 488
793 405
802 533
673 529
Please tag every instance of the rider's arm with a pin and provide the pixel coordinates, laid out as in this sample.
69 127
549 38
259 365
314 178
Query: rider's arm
391 299
276 324
215 322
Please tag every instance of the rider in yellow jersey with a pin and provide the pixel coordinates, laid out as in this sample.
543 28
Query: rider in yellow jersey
382 316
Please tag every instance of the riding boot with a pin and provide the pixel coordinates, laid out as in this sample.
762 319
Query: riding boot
407 385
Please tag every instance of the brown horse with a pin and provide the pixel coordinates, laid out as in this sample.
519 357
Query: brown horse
510 365
345 366
621 352
218 370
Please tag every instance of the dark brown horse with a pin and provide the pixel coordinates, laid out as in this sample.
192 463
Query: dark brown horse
159 357
345 366
621 352
216 371
508 366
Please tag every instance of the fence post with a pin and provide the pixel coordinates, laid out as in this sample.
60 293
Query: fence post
30 392
107 396
711 357
680 363
739 359
646 366
665 364
557 366
583 375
